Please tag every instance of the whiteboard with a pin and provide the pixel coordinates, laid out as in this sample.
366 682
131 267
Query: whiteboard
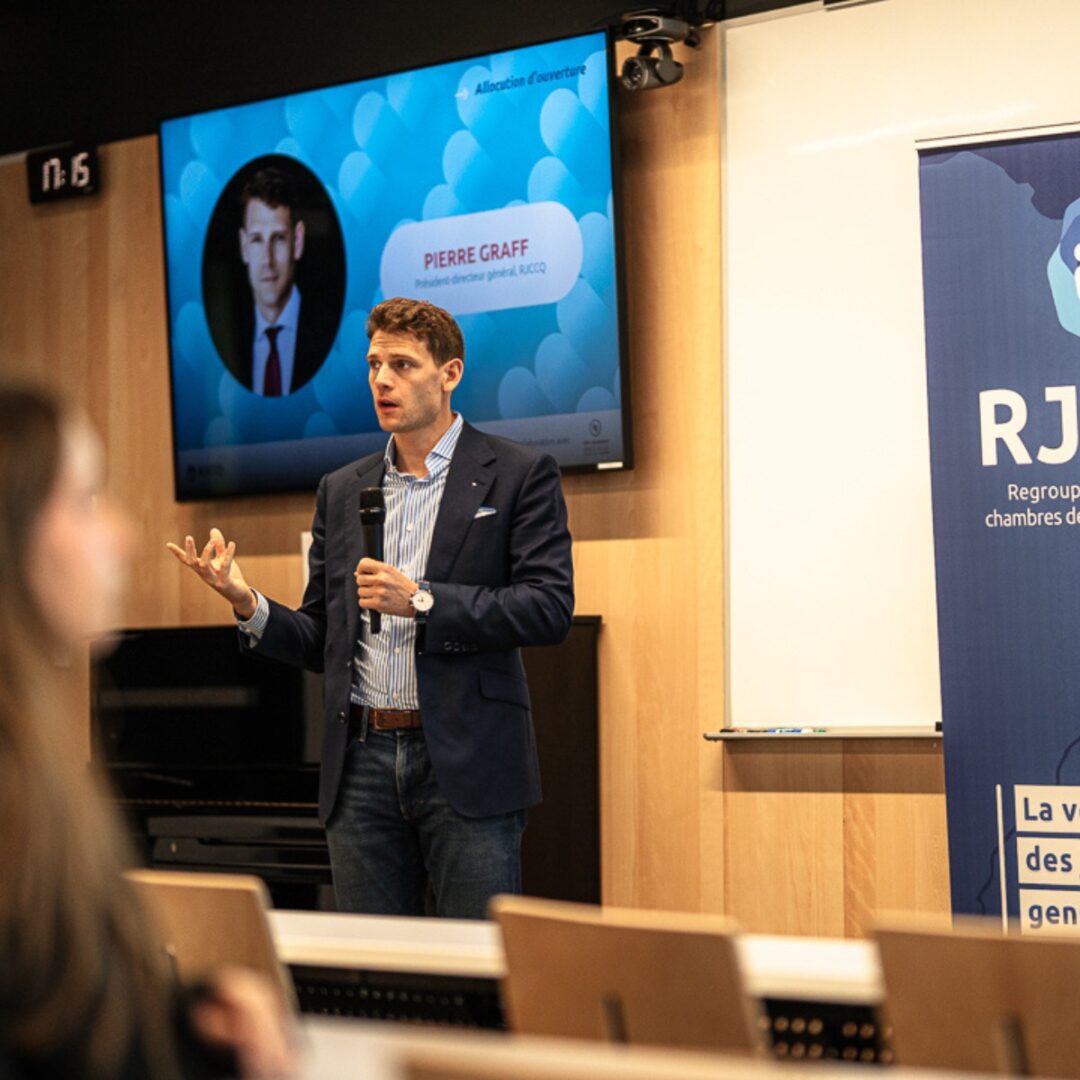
830 564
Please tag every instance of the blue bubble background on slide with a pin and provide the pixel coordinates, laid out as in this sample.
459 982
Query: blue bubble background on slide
410 147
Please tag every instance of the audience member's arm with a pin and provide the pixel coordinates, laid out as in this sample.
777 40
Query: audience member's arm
241 1012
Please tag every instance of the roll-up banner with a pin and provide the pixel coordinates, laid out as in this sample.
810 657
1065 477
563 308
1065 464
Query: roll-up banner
1001 276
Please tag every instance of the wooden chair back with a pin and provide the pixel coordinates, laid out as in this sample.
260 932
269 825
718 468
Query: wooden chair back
204 921
624 976
973 998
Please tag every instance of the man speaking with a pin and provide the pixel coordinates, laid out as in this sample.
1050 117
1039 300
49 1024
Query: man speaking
429 758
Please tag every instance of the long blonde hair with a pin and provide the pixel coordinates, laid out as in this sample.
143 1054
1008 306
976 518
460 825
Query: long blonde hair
77 963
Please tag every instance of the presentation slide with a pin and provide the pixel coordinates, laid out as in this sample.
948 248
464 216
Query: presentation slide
484 186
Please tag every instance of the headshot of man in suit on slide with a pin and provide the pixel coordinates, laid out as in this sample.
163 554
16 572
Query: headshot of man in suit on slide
271 244
274 334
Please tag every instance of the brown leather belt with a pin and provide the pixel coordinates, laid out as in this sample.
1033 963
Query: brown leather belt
389 719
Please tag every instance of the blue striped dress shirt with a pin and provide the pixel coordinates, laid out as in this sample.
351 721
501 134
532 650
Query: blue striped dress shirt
385 669
386 661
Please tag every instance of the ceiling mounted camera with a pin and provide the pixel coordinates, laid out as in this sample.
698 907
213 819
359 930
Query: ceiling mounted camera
655 31
648 72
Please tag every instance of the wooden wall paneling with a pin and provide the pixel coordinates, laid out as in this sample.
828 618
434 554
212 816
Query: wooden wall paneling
639 536
648 748
704 238
784 837
895 839
713 834
822 837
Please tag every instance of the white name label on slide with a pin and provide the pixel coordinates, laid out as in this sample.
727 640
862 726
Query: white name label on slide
519 256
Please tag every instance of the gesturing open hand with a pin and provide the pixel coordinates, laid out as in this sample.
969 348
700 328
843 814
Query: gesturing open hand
217 566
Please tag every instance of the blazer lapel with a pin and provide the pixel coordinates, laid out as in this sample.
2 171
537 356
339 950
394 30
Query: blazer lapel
472 472
369 473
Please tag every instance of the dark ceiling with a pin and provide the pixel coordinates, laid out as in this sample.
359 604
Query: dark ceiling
112 69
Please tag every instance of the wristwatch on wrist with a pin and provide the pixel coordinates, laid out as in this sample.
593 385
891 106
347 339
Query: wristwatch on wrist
422 600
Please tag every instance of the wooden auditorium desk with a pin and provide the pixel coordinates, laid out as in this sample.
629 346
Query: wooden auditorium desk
840 970
386 968
458 947
336 1049
820 994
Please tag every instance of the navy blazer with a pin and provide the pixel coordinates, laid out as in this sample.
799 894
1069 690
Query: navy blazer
500 581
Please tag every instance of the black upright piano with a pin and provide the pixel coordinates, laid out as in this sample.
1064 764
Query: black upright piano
214 756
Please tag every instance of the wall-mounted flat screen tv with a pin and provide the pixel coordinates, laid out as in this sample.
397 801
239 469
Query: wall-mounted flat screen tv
483 185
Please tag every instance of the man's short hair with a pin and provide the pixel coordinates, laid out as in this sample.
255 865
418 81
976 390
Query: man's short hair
427 323
270 186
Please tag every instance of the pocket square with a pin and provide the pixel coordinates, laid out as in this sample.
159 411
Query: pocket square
484 511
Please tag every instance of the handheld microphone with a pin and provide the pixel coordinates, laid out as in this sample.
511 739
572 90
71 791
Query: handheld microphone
372 519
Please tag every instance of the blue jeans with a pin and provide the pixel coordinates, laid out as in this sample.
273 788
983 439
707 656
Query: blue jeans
392 834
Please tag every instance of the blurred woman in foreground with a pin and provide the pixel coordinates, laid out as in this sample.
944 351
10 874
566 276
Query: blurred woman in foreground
83 992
